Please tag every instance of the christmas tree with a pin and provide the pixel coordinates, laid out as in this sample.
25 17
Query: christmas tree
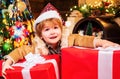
89 29
16 22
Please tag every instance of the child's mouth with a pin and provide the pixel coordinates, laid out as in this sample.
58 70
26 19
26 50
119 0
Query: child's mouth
53 37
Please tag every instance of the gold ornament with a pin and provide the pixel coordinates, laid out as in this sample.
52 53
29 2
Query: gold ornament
21 6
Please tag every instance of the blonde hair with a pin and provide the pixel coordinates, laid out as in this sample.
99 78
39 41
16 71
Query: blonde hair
40 25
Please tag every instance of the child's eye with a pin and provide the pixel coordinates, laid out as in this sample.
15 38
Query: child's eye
56 27
46 29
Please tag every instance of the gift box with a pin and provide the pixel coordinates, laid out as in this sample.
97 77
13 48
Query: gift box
47 70
86 63
1 61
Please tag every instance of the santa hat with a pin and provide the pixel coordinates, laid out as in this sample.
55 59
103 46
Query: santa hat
48 12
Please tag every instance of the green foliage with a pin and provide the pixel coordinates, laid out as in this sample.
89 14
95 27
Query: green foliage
85 10
104 8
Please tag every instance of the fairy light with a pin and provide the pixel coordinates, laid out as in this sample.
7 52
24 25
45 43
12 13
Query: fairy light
71 9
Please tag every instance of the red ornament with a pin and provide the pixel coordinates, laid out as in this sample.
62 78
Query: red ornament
11 31
18 39
25 32
107 3
18 24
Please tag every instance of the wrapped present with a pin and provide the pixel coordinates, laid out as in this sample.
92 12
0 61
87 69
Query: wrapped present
86 63
1 61
46 67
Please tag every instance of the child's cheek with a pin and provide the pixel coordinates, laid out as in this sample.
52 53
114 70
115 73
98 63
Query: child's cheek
58 30
45 34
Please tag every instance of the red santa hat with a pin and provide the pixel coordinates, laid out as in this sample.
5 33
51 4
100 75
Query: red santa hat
49 11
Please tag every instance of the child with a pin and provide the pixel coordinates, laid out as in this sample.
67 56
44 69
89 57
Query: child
48 29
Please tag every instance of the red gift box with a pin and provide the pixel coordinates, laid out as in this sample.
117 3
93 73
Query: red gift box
39 71
1 61
85 63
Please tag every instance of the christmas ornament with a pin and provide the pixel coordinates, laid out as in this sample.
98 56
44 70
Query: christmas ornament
21 6
18 31
11 1
7 47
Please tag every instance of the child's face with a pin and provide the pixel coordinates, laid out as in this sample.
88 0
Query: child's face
51 32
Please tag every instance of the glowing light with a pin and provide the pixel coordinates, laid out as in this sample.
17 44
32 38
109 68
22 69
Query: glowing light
67 23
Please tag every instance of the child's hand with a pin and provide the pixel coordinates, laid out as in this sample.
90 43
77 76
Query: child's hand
6 65
106 43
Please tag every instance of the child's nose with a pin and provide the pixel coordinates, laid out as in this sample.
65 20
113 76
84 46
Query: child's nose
52 31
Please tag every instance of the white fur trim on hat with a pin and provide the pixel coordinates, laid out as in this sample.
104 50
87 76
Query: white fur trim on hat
47 15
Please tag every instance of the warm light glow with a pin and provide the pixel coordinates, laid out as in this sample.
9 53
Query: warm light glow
66 14
75 6
67 23
71 9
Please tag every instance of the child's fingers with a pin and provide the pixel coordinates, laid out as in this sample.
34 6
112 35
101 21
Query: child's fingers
4 69
4 76
10 67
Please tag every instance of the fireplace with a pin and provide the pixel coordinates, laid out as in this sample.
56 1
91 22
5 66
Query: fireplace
106 26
